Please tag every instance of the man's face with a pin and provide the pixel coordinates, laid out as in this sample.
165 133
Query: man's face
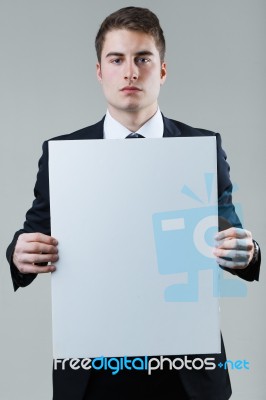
131 72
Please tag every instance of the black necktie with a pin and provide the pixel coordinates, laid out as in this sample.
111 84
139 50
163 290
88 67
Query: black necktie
134 136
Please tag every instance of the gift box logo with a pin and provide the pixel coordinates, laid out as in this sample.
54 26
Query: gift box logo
184 241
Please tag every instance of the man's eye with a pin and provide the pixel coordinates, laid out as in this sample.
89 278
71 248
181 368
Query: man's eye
143 60
116 61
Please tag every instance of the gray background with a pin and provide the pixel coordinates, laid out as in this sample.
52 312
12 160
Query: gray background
216 64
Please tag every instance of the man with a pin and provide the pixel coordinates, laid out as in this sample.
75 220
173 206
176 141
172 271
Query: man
130 48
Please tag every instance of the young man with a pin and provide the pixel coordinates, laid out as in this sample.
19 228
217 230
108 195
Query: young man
130 48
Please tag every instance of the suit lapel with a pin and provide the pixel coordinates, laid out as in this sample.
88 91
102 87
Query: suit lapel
170 129
96 131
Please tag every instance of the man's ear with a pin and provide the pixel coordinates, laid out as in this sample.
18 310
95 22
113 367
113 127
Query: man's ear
99 72
163 73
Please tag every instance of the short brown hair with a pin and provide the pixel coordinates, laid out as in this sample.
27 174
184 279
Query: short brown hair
134 19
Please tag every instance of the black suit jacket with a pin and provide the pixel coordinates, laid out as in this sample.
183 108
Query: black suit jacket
71 384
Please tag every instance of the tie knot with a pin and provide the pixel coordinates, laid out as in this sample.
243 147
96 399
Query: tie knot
134 135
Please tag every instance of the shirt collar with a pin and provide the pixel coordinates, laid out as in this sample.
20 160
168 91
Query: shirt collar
153 128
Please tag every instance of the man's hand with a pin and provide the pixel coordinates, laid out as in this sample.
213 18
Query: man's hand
236 245
33 249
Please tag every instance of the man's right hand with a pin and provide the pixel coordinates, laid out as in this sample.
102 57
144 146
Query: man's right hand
33 249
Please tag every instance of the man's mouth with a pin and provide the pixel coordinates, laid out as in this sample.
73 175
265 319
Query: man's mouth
130 89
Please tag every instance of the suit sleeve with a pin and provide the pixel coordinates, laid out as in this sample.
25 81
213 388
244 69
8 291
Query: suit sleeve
37 219
227 213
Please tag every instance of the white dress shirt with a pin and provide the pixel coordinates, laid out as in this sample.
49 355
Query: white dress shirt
153 128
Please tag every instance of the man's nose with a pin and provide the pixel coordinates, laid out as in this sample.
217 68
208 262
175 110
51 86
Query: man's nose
131 71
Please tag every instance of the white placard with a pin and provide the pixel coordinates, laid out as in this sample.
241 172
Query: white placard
135 221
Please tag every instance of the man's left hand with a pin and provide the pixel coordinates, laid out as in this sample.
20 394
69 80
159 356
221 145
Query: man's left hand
236 245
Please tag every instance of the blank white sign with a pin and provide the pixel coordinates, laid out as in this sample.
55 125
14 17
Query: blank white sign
134 220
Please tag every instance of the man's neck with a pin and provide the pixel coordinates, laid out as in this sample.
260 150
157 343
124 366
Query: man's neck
132 120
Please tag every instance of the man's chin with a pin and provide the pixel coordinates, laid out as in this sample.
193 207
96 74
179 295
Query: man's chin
132 107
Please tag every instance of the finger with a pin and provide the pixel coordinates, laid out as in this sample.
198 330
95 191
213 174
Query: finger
234 255
234 233
38 237
36 248
29 258
231 264
35 269
237 244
